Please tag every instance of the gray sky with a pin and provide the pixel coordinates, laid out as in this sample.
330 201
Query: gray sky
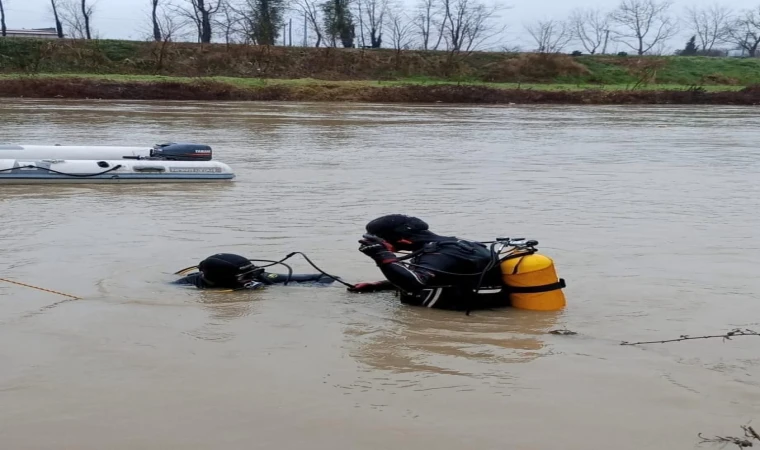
126 19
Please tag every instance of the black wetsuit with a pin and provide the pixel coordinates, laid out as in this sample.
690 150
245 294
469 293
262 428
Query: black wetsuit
264 279
427 279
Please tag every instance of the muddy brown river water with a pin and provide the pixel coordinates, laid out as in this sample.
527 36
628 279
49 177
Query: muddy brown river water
651 215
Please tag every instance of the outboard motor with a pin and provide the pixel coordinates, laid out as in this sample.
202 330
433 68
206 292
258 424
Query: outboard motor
181 152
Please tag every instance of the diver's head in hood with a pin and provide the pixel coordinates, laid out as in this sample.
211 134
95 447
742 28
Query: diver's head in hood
228 270
403 232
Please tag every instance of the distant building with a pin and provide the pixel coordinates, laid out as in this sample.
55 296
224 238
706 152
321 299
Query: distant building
50 33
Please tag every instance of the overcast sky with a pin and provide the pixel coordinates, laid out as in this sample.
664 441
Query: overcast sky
126 19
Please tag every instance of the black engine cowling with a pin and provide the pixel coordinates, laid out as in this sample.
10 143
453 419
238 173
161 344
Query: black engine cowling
181 152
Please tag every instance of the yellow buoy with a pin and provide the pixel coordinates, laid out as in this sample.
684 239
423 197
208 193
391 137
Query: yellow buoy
533 283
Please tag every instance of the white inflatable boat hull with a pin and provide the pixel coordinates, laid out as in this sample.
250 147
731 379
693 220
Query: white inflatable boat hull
15 171
31 152
164 163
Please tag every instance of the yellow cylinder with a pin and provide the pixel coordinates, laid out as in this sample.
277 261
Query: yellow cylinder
533 283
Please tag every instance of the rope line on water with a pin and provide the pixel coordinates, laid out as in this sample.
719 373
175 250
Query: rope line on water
40 289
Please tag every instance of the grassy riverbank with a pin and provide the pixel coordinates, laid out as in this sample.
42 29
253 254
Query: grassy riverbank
127 69
151 88
254 83
66 56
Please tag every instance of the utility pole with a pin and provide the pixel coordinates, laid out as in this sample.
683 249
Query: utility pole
361 23
290 32
606 38
304 29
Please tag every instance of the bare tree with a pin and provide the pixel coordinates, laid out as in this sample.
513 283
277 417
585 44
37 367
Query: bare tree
201 12
659 49
71 14
551 36
231 21
154 17
592 28
164 22
401 29
468 23
58 25
170 27
428 21
375 11
310 10
263 20
481 27
86 14
339 22
645 21
745 31
710 24
3 30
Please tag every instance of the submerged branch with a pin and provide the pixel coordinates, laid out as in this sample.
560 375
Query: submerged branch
746 441
726 337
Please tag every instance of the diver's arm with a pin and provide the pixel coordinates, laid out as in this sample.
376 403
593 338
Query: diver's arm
409 279
279 278
372 286
193 279
406 278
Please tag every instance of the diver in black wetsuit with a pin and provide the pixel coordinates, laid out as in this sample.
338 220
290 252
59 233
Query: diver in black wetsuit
229 271
445 272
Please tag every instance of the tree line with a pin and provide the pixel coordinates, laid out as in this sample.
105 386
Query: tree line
646 26
643 26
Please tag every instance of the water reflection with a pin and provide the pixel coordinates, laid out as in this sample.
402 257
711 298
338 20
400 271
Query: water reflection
121 192
420 340
223 308
227 306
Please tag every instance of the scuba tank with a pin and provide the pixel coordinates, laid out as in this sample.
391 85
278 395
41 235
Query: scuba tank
531 279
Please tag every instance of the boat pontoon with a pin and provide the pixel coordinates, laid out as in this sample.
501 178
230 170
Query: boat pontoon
162 163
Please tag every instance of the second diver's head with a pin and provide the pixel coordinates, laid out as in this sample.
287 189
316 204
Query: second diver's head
402 231
228 270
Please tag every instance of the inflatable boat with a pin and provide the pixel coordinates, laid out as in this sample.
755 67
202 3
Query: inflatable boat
162 163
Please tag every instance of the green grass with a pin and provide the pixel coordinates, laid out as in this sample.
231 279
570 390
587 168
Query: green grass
683 70
305 82
687 69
